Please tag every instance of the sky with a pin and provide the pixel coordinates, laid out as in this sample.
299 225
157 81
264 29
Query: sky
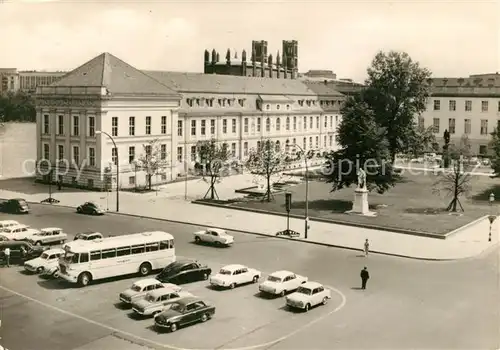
451 38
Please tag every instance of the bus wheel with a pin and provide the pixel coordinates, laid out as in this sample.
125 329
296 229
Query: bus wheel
145 269
84 279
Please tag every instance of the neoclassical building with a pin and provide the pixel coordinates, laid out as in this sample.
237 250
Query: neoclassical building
178 109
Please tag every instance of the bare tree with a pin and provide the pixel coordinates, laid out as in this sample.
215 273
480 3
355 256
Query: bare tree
456 180
152 160
213 159
267 160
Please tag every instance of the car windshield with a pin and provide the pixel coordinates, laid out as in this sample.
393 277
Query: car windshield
136 288
150 298
177 307
44 256
225 272
303 290
22 202
169 269
274 279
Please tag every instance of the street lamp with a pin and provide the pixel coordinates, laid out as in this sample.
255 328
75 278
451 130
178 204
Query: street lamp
117 169
306 218
491 217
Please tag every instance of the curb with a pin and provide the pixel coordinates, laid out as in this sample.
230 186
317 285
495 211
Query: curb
301 240
328 221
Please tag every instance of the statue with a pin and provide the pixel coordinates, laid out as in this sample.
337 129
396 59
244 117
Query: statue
361 179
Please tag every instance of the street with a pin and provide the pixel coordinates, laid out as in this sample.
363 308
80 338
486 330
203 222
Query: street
408 303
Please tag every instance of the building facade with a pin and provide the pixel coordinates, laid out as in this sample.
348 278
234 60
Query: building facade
9 80
464 106
186 108
12 80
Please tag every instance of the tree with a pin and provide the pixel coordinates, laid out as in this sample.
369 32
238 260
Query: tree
456 181
213 158
267 160
152 160
363 146
446 146
18 106
420 140
495 147
397 92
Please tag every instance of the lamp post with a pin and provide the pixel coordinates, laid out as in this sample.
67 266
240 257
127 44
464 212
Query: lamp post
491 217
306 218
117 169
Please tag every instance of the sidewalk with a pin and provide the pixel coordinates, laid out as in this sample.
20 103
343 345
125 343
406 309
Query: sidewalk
468 242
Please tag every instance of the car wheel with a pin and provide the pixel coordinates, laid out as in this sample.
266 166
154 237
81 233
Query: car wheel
173 327
197 239
307 307
79 210
255 279
232 285
94 212
283 292
205 276
55 274
39 270
84 279
145 269
38 243
204 318
325 301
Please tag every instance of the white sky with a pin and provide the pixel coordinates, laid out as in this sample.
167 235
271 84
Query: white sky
451 38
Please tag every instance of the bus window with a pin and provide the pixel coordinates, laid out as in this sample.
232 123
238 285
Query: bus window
95 255
122 251
171 243
108 253
164 245
84 257
138 249
152 247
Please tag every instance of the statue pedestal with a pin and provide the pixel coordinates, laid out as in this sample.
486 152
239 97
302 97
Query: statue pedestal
360 203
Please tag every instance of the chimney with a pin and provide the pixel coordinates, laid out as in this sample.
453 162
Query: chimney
326 82
214 56
228 57
218 57
284 65
278 64
270 63
244 63
254 63
207 57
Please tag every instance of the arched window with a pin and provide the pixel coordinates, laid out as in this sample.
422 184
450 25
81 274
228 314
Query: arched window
287 123
268 124
278 124
278 146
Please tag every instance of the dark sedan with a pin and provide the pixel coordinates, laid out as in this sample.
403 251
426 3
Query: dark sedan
184 312
15 206
183 271
20 251
90 208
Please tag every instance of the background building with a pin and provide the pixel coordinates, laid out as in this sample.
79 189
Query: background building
9 80
469 106
27 81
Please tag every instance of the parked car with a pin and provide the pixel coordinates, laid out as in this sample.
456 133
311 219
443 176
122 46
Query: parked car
3 239
49 235
213 236
50 272
232 275
7 223
46 261
154 302
90 208
282 282
140 288
183 271
83 237
308 295
184 312
20 251
15 206
19 232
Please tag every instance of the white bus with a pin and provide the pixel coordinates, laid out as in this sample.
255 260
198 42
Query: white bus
116 256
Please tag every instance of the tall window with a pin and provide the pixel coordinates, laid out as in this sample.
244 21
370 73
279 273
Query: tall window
193 127
468 105
451 125
163 152
310 142
179 128
437 105
268 124
331 122
131 126
203 127
233 126
148 125
278 124
311 122
317 122
60 125
484 127
147 149
114 156
91 156
287 123
131 154
46 124
91 126
484 106
324 141
60 152
317 141
245 125
498 106
224 126
114 126
467 126
294 123
326 122
163 124
452 105
76 155
421 123
258 124
76 125
245 149
193 153
212 126
179 154
305 123
331 140
304 143
435 125
46 151
233 149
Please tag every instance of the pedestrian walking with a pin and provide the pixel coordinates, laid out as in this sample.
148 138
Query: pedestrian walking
6 253
365 276
367 247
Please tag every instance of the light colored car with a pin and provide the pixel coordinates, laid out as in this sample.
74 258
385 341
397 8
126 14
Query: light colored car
7 223
309 295
49 235
214 236
282 282
52 271
140 288
46 261
19 232
232 275
83 238
156 301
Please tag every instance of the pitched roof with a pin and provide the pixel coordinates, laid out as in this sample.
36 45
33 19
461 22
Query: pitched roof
199 82
323 89
118 77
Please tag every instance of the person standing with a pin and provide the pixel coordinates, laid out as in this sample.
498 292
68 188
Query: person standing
6 253
365 276
367 247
